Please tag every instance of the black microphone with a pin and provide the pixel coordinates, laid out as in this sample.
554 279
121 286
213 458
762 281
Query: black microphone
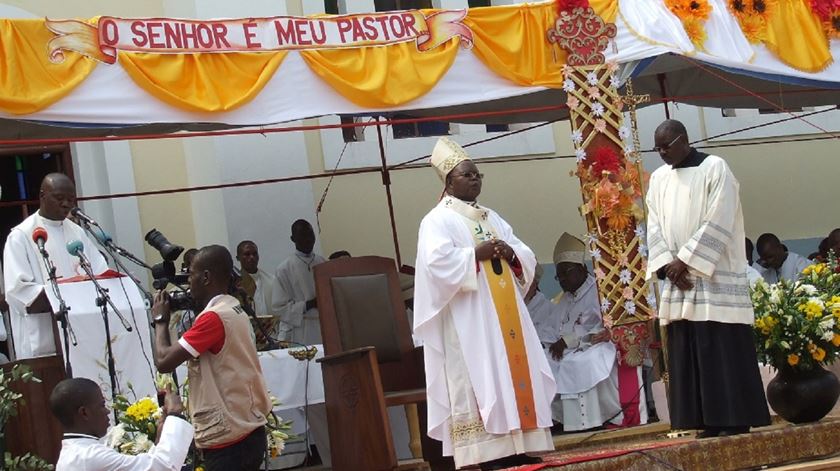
39 236
78 213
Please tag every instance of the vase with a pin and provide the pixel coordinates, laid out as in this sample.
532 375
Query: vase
801 396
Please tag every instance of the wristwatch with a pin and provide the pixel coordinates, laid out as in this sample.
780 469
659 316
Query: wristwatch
158 319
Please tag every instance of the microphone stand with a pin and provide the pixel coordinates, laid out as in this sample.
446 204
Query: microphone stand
63 312
103 300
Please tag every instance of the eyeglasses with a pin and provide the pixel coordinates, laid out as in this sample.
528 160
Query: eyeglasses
667 146
469 175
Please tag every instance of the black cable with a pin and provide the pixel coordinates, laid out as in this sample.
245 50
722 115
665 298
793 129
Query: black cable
657 459
136 327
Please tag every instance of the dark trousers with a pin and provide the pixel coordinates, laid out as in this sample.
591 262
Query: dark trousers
714 380
245 455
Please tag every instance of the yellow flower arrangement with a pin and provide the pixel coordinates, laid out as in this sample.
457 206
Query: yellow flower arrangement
797 324
142 409
753 16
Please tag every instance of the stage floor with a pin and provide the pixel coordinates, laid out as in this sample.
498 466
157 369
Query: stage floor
649 448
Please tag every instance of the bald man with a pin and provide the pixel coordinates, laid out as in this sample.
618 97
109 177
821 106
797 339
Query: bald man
228 397
80 407
24 271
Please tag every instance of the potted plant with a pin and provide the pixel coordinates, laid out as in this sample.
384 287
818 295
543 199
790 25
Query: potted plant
797 330
9 399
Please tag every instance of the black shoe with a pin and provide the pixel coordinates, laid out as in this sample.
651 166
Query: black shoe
496 464
556 429
708 433
731 431
522 460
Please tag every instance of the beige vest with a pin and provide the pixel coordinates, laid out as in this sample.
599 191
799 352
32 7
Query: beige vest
228 398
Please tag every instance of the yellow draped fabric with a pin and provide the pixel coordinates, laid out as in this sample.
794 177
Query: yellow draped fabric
796 37
29 82
202 82
511 41
606 9
384 76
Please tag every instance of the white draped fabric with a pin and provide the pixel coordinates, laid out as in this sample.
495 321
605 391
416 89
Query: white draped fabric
296 284
25 277
706 231
266 293
471 401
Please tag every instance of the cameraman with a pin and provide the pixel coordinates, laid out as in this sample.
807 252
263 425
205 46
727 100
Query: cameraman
222 365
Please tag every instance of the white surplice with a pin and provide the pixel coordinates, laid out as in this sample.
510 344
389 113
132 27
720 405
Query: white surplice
296 284
25 277
541 311
87 453
790 270
472 407
694 214
265 293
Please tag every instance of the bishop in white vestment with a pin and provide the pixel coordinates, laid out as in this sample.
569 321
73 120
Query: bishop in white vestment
489 386
295 300
580 352
695 239
26 277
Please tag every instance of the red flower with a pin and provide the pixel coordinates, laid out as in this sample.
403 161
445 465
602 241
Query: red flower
605 159
569 5
824 8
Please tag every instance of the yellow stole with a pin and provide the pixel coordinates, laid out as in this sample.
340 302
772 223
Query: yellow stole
503 291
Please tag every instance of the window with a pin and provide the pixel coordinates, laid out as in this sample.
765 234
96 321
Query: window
420 129
352 133
331 7
391 5
478 3
497 127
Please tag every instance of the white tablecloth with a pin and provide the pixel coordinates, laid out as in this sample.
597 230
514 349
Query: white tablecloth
133 355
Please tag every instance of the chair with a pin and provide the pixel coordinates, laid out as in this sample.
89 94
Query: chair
370 362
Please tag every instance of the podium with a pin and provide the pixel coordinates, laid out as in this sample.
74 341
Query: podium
133 354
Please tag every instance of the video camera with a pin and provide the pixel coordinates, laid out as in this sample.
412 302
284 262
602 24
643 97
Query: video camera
164 273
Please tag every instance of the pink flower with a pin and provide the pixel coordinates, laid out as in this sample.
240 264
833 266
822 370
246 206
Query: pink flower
627 293
612 67
594 93
600 125
572 102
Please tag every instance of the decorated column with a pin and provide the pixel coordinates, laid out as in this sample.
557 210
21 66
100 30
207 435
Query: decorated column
609 169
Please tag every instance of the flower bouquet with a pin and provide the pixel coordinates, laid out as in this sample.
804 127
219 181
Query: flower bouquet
797 331
137 424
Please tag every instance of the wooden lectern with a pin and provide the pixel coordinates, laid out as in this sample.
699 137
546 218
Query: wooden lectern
35 430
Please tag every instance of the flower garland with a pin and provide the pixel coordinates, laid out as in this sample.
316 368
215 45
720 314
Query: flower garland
693 15
753 16
611 187
828 11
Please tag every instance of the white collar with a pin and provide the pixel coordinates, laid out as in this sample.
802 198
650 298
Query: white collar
49 222
469 209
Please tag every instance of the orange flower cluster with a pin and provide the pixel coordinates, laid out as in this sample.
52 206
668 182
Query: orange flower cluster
693 15
828 11
753 17
612 188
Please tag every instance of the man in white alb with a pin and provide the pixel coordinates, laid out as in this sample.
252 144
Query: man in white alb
298 308
26 278
695 237
488 383
259 285
776 262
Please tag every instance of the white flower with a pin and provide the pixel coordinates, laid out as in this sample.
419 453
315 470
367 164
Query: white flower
828 336
810 290
591 239
568 85
630 307
625 276
614 82
577 136
775 295
651 298
596 253
598 109
115 436
643 250
605 306
639 231
592 78
142 444
788 319
580 155
629 148
623 132
828 324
